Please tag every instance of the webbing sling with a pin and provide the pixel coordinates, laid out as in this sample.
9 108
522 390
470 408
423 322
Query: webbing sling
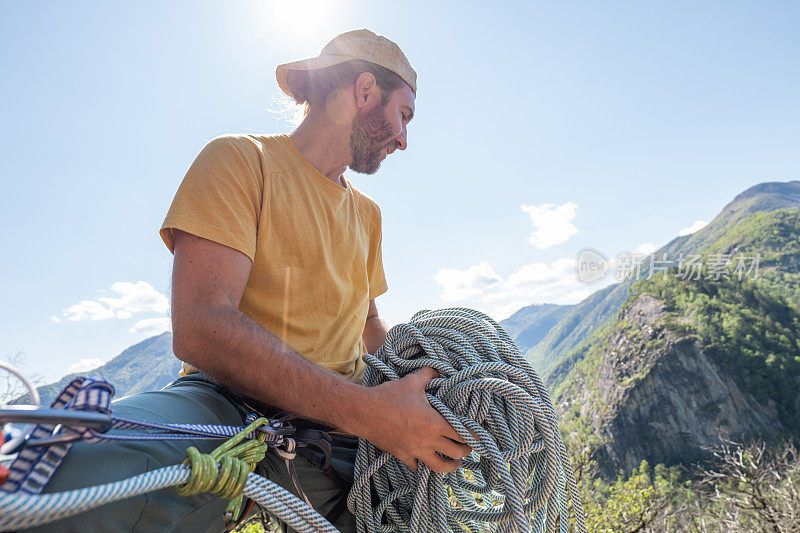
34 466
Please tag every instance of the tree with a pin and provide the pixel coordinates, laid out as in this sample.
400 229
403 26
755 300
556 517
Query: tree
756 487
12 390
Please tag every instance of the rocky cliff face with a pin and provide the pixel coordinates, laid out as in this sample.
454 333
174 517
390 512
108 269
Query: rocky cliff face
659 396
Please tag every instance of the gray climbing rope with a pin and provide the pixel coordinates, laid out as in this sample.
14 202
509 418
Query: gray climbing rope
518 476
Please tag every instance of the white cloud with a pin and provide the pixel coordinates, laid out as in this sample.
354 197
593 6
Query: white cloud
552 282
87 310
55 319
482 288
553 223
537 273
696 226
84 365
645 248
465 284
133 298
152 326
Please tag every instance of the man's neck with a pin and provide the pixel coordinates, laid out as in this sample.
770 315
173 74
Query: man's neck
324 145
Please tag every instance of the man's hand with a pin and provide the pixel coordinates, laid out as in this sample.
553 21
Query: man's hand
405 425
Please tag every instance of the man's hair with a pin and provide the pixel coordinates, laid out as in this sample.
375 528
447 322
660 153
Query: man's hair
313 87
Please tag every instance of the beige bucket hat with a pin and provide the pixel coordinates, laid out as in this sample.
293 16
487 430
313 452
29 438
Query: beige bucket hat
357 44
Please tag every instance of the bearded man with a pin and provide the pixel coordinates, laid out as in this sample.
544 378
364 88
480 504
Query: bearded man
277 264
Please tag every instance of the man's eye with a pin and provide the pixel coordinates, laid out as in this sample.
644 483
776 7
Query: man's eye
405 117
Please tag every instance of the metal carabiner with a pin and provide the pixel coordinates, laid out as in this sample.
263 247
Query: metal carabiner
61 418
28 414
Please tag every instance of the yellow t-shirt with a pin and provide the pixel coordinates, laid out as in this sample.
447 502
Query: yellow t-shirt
315 245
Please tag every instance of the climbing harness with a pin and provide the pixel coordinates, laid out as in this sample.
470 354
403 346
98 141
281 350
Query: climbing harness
518 467
517 478
82 412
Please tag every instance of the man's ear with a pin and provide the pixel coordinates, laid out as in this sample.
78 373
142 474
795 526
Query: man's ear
366 90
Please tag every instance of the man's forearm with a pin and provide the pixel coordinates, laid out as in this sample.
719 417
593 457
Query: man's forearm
211 333
231 347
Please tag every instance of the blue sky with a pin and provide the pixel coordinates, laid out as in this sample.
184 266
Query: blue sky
541 128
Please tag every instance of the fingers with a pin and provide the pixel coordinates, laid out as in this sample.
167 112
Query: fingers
410 463
452 449
441 465
450 433
425 373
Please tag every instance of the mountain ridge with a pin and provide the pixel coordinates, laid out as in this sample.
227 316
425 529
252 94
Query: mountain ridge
146 365
695 359
585 317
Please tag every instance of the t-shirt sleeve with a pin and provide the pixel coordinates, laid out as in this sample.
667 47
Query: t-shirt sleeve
377 278
220 197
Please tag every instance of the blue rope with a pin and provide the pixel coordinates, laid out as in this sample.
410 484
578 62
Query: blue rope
173 431
518 476
19 510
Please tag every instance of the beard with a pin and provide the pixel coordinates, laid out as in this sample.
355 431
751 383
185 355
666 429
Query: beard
371 133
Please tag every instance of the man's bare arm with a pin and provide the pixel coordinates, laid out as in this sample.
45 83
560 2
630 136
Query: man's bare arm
374 329
212 334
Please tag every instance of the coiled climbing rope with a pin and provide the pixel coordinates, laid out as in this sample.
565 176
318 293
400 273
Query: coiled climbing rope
518 476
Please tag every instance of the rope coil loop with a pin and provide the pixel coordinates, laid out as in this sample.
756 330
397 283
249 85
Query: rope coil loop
517 477
224 471
225 479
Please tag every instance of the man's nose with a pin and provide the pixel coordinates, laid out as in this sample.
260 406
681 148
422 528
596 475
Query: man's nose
402 140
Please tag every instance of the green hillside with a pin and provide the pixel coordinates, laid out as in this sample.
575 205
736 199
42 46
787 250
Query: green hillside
530 324
773 236
613 386
584 318
578 323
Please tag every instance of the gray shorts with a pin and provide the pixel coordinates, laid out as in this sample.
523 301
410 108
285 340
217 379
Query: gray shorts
191 399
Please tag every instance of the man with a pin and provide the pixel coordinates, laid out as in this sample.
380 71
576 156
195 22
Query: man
277 266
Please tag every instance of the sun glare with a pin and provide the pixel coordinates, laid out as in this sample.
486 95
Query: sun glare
302 19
